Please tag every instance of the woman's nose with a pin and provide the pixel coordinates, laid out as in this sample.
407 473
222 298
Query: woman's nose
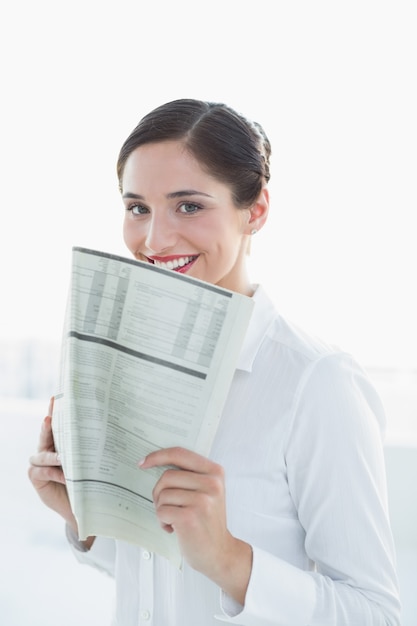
160 234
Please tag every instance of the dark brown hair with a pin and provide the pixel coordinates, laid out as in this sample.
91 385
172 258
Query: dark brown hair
229 147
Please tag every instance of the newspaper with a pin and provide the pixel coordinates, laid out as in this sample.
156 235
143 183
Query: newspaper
147 359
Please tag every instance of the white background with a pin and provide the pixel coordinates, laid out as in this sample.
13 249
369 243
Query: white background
334 85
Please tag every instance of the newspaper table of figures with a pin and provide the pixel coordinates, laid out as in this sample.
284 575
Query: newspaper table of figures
148 356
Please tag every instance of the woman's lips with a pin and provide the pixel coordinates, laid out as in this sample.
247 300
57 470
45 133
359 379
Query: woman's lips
179 264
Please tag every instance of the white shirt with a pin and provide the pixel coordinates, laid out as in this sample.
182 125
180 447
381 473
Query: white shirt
300 442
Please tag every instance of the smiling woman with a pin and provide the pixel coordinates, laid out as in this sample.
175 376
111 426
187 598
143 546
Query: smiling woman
185 214
194 193
286 521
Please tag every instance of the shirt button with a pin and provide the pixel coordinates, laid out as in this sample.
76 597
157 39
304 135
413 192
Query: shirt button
145 615
146 555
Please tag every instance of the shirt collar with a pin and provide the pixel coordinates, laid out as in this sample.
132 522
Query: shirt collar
262 316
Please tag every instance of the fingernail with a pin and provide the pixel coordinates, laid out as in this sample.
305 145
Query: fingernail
141 461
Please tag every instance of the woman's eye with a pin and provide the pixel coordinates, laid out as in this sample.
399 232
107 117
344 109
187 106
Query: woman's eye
137 209
189 207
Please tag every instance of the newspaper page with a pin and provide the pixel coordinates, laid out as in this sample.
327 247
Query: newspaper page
147 359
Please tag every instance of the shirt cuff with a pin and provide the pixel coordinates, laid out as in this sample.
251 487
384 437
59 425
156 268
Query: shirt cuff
72 538
273 594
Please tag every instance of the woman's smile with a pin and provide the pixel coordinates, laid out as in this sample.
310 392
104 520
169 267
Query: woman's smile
179 264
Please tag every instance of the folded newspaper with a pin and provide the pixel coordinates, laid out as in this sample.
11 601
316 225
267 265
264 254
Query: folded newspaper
147 359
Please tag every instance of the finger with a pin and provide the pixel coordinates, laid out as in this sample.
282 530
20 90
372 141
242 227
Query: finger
46 438
184 479
47 474
178 457
173 483
45 459
182 518
181 498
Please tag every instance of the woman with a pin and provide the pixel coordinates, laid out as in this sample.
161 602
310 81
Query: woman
286 522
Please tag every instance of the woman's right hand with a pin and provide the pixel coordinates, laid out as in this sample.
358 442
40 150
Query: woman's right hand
46 474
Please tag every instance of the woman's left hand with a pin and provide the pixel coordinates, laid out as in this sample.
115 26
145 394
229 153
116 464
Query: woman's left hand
190 501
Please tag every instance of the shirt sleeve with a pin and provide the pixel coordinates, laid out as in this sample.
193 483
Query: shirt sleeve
101 555
336 477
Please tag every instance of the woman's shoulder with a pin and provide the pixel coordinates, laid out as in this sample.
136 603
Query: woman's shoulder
289 336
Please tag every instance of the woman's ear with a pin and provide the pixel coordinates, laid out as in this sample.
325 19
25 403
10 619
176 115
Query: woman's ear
258 213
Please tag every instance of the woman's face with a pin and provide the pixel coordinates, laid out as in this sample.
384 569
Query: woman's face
179 217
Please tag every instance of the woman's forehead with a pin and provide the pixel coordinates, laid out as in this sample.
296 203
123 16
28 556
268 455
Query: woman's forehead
167 167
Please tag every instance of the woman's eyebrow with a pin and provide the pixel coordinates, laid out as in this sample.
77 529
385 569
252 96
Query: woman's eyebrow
173 194
134 196
187 192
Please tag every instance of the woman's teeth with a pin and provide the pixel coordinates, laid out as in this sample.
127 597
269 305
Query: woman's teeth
175 263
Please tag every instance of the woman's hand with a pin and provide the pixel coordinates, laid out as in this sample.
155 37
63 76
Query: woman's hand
190 501
46 475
